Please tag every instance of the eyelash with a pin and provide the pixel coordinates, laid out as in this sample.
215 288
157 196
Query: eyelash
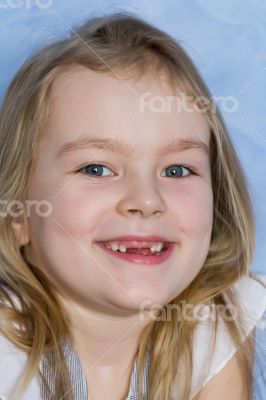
82 169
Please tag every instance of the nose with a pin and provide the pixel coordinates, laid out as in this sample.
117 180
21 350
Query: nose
143 200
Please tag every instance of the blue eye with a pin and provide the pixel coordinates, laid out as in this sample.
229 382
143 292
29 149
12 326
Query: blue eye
94 169
176 171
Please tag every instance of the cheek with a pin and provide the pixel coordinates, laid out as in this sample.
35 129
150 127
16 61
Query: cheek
193 208
199 213
56 238
76 205
194 217
79 211
57 248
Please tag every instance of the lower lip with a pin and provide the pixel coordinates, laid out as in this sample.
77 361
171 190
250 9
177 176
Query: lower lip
139 259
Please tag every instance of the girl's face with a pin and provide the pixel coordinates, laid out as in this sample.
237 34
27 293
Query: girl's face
130 194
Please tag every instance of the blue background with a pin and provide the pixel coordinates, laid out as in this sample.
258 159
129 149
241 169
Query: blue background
227 42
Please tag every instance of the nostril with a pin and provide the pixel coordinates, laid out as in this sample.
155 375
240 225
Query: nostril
134 211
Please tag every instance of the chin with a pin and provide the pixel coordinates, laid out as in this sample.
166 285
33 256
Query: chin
138 302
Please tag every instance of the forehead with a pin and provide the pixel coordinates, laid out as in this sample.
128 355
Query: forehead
84 102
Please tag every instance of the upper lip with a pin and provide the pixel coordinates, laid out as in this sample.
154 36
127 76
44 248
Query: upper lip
150 238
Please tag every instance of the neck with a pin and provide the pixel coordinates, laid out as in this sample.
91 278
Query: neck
102 341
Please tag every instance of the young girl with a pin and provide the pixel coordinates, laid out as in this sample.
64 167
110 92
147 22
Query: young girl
127 229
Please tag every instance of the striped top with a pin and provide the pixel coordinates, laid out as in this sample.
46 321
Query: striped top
78 377
13 360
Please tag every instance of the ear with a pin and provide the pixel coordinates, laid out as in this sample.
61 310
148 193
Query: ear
21 231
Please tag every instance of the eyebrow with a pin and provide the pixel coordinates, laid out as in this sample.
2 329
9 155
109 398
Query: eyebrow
119 146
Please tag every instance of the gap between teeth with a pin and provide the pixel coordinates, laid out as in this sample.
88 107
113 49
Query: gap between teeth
115 247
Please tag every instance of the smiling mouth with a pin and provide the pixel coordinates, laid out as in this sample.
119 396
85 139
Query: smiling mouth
141 255
144 251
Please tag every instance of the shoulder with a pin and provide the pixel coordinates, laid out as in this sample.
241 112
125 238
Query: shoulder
228 383
12 366
223 364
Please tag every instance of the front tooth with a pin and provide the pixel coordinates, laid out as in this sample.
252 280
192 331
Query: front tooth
159 247
153 248
114 246
122 248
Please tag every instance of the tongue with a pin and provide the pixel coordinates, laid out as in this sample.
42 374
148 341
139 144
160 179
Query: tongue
142 251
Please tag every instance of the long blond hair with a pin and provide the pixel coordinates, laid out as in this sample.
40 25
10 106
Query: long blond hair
121 42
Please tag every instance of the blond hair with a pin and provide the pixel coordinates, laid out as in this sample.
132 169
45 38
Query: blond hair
123 43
